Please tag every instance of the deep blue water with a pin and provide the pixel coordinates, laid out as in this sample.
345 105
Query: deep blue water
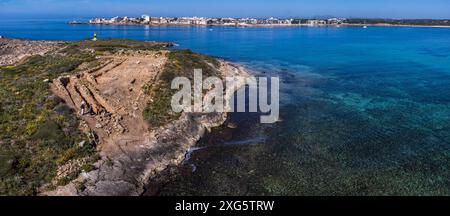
365 111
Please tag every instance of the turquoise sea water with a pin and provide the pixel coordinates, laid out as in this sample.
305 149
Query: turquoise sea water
365 111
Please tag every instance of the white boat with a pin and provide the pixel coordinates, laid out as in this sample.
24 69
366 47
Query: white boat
365 25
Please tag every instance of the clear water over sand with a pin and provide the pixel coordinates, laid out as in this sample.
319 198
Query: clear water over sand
365 111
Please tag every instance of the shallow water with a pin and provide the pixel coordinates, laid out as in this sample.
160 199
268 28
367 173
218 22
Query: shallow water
365 111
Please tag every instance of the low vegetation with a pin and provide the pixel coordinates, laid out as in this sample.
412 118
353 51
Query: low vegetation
36 128
114 45
181 63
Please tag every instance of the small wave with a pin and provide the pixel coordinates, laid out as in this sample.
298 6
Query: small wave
247 141
189 153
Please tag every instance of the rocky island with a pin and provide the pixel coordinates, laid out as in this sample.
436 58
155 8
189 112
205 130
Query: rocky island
93 117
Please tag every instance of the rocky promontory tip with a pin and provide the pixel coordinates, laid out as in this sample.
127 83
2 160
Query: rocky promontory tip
14 50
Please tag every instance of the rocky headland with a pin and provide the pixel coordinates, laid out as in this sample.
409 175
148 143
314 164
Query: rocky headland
117 94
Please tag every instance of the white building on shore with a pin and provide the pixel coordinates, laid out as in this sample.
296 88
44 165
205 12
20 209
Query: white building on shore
146 18
316 22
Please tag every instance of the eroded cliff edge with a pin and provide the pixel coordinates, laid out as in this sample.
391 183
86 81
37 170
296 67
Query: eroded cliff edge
133 151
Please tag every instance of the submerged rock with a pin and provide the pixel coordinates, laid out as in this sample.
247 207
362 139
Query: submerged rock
232 125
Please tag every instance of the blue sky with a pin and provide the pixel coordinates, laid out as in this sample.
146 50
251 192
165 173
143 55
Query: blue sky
225 8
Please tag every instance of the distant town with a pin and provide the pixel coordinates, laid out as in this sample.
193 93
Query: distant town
202 21
148 20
